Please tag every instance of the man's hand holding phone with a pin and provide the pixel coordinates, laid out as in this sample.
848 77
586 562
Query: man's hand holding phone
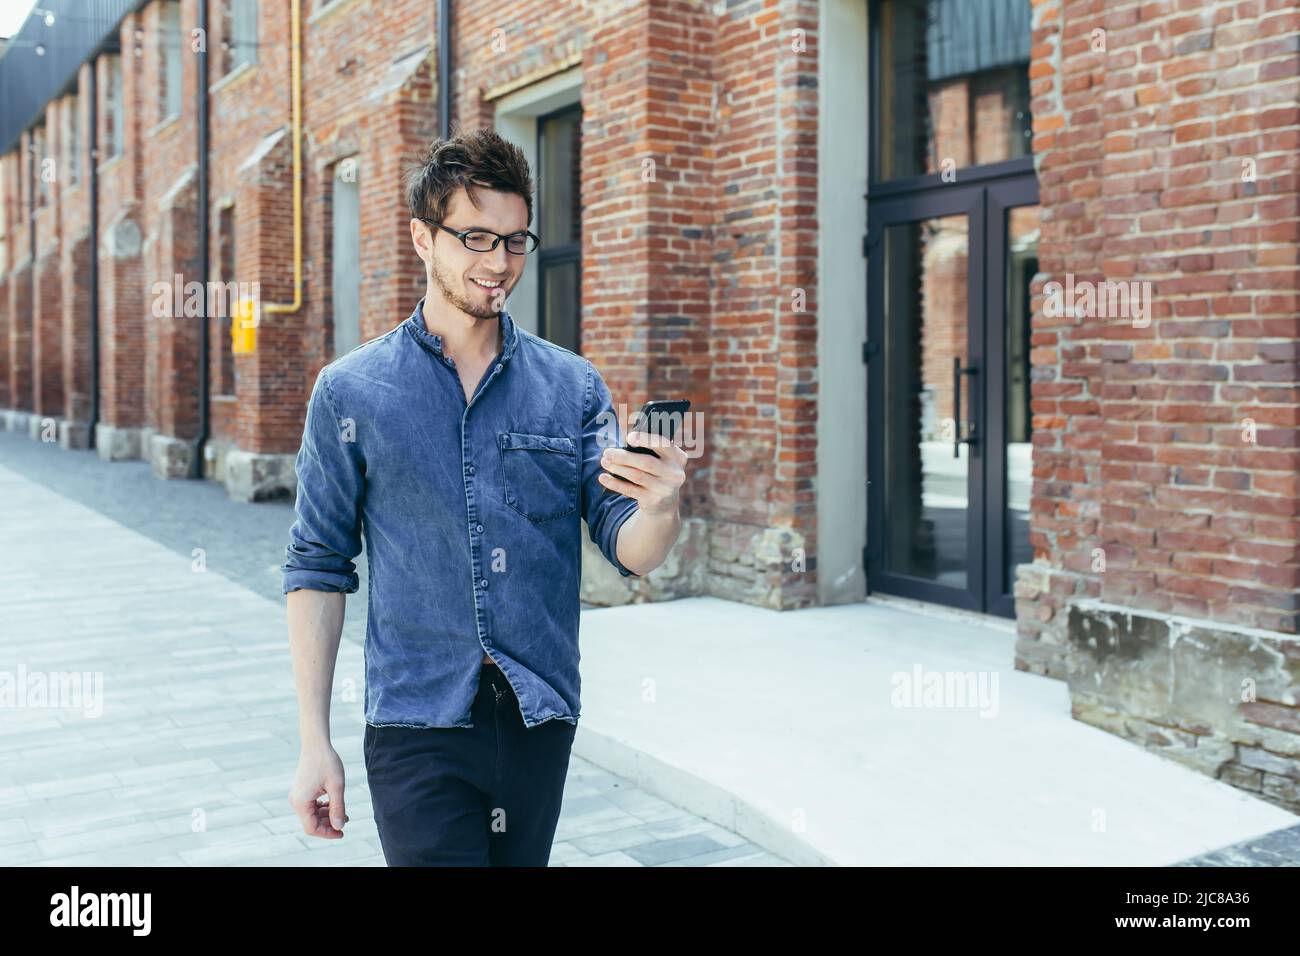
651 468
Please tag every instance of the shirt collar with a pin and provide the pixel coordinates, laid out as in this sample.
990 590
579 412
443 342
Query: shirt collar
415 325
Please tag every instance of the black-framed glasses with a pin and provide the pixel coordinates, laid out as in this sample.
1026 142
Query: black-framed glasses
483 240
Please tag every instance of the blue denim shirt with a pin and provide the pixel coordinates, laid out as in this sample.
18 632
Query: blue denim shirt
471 514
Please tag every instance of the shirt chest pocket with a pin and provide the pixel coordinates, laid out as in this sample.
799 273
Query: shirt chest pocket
540 474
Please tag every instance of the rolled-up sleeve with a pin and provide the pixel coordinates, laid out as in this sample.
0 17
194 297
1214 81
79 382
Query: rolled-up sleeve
605 511
326 534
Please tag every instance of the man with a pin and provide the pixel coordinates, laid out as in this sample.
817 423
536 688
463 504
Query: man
472 449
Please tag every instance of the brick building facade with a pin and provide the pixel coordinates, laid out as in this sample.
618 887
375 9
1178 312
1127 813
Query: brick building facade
1167 455
726 153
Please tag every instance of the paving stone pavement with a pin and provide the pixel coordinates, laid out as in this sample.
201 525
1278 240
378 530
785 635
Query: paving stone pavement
1279 848
179 746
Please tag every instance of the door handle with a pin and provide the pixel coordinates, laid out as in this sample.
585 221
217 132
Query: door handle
957 372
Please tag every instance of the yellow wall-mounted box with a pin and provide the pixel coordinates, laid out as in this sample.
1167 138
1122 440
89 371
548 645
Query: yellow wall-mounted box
243 327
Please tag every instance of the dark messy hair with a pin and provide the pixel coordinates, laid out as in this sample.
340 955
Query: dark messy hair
480 158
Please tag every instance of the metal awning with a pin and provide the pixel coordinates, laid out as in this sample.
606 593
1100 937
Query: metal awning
40 62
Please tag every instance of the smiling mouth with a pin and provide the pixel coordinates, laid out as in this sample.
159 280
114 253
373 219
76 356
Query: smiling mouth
485 284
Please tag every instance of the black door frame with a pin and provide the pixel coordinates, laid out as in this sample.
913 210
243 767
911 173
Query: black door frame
1001 196
983 195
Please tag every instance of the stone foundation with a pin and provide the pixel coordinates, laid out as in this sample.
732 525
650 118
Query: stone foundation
74 434
13 420
169 457
214 459
1223 700
1043 595
681 574
766 566
113 443
253 477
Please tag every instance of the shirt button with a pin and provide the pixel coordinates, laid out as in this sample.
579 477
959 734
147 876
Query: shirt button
483 584
478 528
470 469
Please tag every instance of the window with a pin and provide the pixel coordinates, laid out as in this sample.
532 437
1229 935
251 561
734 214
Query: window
240 32
345 256
953 85
72 136
559 223
113 105
169 29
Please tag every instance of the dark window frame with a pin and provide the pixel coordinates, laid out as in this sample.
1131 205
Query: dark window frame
549 255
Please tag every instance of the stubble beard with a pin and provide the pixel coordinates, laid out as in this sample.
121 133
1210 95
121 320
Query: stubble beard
465 300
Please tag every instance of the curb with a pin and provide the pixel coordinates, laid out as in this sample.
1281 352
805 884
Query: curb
695 795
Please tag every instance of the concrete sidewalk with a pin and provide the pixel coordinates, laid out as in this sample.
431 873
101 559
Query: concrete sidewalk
782 726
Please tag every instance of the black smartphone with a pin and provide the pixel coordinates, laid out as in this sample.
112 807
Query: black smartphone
658 418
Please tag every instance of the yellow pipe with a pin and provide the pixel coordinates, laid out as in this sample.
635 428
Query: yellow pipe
296 71
244 332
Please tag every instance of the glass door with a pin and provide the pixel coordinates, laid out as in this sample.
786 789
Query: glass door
951 249
925 473
949 431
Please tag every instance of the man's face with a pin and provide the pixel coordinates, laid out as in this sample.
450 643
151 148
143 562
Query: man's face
455 270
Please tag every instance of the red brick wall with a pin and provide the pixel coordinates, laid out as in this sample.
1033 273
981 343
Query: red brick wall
649 208
177 336
47 325
264 243
123 302
356 100
74 273
1139 454
762 407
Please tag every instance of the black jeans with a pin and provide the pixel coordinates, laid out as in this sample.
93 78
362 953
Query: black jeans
487 795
